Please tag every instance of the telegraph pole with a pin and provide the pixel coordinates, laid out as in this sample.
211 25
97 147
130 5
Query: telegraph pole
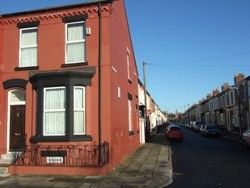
145 94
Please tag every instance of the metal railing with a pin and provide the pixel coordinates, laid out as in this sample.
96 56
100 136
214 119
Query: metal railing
63 155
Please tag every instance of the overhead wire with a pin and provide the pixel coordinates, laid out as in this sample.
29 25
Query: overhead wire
210 59
203 72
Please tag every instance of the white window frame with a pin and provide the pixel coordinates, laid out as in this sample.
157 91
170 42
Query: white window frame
130 116
53 110
30 46
73 42
81 109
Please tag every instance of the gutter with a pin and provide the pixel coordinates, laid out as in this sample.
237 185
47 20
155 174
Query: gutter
55 8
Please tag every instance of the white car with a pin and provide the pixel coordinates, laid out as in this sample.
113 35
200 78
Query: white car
246 137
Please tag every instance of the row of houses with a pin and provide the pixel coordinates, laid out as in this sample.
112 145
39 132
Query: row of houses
153 117
228 107
70 99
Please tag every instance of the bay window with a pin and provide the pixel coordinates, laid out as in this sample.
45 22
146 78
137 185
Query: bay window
28 47
55 111
75 42
61 105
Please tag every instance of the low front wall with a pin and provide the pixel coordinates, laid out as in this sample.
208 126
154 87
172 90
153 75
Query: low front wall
52 170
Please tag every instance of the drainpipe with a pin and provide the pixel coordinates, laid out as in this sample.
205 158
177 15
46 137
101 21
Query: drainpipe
99 82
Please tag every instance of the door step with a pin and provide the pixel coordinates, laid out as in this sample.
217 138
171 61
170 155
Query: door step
7 159
4 171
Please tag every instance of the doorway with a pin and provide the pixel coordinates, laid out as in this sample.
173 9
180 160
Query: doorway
16 117
17 127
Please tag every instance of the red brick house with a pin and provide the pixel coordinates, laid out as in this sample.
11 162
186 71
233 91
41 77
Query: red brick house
68 89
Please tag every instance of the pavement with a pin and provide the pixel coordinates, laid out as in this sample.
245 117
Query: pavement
150 166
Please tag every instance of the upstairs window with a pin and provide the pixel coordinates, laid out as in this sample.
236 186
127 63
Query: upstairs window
75 42
28 47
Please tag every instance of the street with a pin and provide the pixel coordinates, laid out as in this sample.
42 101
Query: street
209 162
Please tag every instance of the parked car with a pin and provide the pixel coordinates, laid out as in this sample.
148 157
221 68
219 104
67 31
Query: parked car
222 127
197 125
190 125
202 127
181 124
246 137
186 125
211 130
174 133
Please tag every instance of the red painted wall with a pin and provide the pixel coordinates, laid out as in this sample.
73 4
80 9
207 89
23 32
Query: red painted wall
123 144
51 55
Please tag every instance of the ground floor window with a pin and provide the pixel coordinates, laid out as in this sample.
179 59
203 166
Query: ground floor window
55 104
61 105
130 118
54 111
79 110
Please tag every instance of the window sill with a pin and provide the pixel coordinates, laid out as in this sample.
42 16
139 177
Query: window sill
26 68
131 133
75 138
74 64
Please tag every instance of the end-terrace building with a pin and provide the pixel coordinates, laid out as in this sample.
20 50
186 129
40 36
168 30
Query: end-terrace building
69 96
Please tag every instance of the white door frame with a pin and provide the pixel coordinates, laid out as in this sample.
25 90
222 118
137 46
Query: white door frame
8 115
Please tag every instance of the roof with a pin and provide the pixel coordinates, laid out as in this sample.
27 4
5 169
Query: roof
66 6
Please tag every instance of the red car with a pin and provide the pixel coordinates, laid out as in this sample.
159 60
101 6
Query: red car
174 133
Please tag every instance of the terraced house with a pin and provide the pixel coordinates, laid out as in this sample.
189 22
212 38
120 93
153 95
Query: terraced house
69 97
227 108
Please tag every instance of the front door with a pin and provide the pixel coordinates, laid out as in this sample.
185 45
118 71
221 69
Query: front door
17 125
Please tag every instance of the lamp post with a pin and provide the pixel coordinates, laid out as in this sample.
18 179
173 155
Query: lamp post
145 96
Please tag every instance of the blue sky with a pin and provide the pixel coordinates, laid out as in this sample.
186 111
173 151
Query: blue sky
190 46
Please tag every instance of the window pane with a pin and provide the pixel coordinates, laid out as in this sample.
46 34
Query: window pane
79 104
28 57
29 37
75 52
54 123
17 95
76 32
78 122
78 98
55 99
54 115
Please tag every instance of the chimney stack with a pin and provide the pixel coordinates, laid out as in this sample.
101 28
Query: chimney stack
215 92
209 96
225 86
238 77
